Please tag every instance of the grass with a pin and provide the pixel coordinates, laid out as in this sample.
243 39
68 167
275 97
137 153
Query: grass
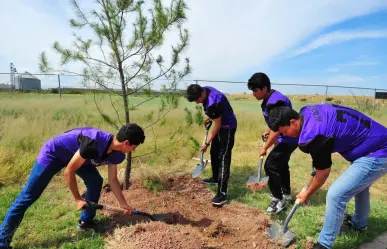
27 121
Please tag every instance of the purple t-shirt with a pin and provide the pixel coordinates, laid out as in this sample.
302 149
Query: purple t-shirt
330 128
275 97
217 105
91 142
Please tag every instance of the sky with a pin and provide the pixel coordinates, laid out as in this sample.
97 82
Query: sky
320 42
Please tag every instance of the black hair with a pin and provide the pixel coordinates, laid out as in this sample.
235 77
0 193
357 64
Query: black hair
281 116
194 91
259 80
132 132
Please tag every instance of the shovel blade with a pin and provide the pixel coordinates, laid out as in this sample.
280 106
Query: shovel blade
255 179
199 169
159 217
275 232
287 238
264 179
252 180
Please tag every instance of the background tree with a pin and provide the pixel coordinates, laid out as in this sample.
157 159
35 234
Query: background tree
123 51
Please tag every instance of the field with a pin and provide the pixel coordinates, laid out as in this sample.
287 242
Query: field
160 181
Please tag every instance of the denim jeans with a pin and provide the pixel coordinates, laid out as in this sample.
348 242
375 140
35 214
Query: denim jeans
38 180
354 182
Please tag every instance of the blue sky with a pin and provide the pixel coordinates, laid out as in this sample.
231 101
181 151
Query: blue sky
294 42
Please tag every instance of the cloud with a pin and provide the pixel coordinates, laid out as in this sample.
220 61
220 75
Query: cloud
344 79
227 39
360 61
339 37
27 32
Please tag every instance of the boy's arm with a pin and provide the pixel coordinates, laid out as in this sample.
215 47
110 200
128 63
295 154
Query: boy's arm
116 188
75 163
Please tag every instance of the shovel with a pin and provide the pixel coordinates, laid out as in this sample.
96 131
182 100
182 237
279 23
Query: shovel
257 179
152 217
280 232
202 164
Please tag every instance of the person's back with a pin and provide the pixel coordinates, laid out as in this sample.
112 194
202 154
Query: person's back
59 150
275 97
218 102
354 134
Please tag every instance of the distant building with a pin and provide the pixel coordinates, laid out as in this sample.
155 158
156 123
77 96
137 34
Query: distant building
27 81
5 86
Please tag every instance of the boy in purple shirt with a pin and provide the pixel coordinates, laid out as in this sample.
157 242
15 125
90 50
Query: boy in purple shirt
79 151
277 162
217 108
325 129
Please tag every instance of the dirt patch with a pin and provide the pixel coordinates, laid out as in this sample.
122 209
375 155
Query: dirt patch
192 221
258 186
308 244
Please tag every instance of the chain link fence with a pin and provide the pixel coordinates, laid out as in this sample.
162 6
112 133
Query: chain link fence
304 93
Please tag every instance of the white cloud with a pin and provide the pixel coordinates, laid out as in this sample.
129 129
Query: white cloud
344 79
340 36
227 38
361 61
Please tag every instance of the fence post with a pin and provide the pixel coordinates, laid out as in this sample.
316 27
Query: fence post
326 93
374 104
60 91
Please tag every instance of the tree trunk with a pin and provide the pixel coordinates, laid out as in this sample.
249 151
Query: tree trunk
128 168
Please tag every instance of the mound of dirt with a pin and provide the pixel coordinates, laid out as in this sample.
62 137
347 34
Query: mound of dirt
192 221
258 186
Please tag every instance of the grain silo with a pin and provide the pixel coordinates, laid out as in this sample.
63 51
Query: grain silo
27 81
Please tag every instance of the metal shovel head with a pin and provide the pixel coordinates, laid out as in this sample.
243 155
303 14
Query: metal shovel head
255 179
252 180
152 217
275 232
199 169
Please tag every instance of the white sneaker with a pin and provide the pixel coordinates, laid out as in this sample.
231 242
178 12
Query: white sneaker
286 197
276 206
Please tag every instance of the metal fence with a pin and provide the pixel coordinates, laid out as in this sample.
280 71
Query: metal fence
307 93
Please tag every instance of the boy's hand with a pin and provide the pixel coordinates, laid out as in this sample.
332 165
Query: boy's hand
129 209
80 204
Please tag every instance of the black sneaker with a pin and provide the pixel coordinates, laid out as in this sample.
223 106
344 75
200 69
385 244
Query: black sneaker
210 181
89 226
348 224
219 199
276 206
318 246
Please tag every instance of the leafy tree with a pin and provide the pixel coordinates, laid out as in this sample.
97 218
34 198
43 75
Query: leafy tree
124 48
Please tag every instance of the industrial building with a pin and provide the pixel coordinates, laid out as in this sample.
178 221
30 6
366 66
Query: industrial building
27 81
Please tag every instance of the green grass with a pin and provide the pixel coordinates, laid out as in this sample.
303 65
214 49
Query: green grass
50 222
28 120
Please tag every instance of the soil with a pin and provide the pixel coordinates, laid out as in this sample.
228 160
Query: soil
258 186
191 221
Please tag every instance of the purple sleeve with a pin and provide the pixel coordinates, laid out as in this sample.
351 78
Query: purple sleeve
279 98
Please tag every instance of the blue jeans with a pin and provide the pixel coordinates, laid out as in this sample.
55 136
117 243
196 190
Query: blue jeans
354 182
38 180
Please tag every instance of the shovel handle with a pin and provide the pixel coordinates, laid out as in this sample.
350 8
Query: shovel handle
260 167
208 124
95 206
